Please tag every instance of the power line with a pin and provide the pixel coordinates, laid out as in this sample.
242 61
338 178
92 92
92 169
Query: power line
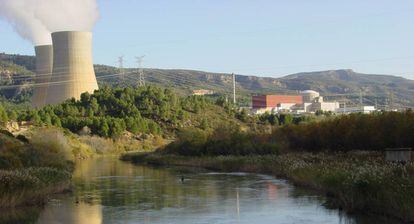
57 82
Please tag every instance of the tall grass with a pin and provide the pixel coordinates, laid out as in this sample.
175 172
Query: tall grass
31 171
31 185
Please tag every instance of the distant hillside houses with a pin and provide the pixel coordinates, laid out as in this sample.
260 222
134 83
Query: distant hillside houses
308 101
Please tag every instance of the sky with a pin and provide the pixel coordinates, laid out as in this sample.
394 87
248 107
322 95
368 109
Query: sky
252 37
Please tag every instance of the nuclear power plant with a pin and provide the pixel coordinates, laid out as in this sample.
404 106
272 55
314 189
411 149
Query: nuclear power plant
72 72
44 65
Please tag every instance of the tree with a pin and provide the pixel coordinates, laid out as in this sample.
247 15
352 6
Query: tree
286 119
3 114
12 115
56 121
116 126
242 115
103 128
47 119
204 124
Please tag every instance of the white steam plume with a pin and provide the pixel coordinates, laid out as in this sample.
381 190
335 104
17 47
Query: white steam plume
67 15
21 15
34 20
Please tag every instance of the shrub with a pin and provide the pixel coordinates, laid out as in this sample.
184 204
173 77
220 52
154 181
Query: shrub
351 132
222 141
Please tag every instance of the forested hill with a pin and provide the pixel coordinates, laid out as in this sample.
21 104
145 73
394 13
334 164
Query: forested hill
335 84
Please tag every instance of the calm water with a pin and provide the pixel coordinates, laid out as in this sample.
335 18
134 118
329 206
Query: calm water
110 191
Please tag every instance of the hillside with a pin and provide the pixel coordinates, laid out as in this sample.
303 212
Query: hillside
342 85
16 70
385 89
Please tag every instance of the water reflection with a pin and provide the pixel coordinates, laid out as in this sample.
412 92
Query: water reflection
65 211
111 191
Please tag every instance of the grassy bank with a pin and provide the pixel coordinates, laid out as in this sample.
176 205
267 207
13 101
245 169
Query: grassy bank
31 185
354 181
36 165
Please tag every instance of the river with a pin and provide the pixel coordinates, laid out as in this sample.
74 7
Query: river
107 190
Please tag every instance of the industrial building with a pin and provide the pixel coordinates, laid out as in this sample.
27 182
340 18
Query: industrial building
274 103
309 95
308 101
313 102
44 66
359 109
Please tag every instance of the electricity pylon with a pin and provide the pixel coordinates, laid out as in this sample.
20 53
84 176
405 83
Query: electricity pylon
141 81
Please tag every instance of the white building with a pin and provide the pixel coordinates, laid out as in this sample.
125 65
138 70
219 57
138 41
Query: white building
320 105
309 95
363 109
313 102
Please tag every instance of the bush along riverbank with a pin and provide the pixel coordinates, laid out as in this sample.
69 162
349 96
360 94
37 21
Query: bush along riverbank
353 181
33 167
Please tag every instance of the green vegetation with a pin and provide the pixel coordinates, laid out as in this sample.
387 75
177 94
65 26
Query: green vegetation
149 110
359 181
34 167
286 119
225 140
342 133
351 132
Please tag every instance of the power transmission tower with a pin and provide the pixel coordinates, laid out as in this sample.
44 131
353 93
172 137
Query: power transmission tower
234 88
141 81
391 100
360 99
344 105
121 67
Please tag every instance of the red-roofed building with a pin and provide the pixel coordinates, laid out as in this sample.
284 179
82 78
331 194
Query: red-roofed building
275 103
272 101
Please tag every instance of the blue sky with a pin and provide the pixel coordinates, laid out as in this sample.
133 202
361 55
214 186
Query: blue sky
254 37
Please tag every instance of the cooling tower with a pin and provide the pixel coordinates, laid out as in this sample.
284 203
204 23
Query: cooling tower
44 64
73 71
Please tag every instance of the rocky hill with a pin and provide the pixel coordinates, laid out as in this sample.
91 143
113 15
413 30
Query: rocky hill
342 85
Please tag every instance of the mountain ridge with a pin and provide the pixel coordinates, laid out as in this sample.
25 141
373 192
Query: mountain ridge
341 84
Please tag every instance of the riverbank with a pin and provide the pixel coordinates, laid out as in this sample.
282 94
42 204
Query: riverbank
355 181
40 161
36 165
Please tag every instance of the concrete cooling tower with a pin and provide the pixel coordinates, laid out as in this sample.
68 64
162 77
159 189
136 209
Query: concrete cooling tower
73 72
44 65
